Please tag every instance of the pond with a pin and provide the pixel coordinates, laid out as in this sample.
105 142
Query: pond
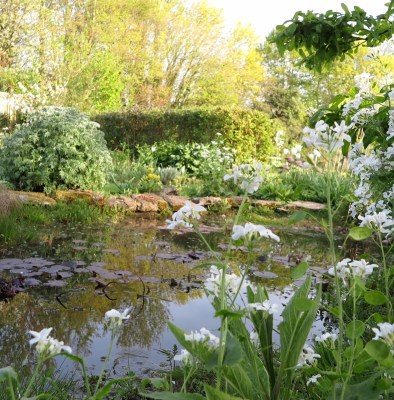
78 274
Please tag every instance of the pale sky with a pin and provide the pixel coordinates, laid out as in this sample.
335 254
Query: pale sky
264 15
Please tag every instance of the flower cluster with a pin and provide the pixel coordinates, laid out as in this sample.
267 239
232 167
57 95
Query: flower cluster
251 231
326 138
265 306
47 345
213 283
204 336
308 357
385 332
247 176
184 214
348 268
185 357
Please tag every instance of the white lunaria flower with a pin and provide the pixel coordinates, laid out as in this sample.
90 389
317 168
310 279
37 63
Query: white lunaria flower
184 357
247 176
385 332
46 344
41 336
265 306
313 379
307 357
254 338
327 336
361 268
204 336
117 316
181 217
250 231
213 284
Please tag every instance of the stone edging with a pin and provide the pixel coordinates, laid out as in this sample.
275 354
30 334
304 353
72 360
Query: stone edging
150 202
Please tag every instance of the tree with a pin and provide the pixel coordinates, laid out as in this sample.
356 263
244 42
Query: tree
323 38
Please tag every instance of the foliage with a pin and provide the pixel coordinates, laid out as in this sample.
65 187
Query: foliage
56 148
322 38
100 55
248 132
308 185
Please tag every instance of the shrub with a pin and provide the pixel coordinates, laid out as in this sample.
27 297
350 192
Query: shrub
56 148
250 132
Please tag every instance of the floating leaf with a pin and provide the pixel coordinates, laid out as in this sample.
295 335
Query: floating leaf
265 274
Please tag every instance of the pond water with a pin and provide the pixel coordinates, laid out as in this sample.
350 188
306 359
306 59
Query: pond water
78 274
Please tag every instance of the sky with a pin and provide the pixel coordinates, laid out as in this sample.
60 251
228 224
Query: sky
264 15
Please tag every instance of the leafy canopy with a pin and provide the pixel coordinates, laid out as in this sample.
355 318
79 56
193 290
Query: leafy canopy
323 38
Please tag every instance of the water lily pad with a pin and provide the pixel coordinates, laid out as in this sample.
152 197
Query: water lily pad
98 264
124 273
9 262
81 270
57 283
19 271
54 269
79 248
79 241
99 244
265 274
31 282
38 262
73 264
115 252
144 258
64 275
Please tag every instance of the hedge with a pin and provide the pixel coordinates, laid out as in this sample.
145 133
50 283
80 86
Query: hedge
250 132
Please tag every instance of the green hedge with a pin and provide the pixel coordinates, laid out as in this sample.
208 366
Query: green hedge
250 132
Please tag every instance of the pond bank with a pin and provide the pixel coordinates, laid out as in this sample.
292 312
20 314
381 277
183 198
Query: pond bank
152 202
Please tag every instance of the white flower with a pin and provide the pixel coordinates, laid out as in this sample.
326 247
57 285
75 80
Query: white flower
361 268
46 344
254 338
41 336
184 357
204 336
247 176
117 316
326 336
307 357
213 283
265 306
386 333
382 221
313 379
250 231
182 216
341 269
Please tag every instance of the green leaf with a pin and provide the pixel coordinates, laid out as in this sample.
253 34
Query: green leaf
303 304
299 270
359 282
375 298
365 390
173 396
294 330
360 232
228 313
216 394
355 329
105 390
377 349
345 8
7 373
298 216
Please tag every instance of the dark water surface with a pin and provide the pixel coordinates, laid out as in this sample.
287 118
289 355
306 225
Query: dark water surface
78 274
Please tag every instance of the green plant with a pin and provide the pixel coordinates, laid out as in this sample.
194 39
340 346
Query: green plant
168 174
56 148
249 132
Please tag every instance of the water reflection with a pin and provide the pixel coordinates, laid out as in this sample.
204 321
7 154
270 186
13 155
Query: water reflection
157 288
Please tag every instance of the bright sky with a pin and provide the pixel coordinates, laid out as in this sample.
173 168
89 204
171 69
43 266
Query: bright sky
264 15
